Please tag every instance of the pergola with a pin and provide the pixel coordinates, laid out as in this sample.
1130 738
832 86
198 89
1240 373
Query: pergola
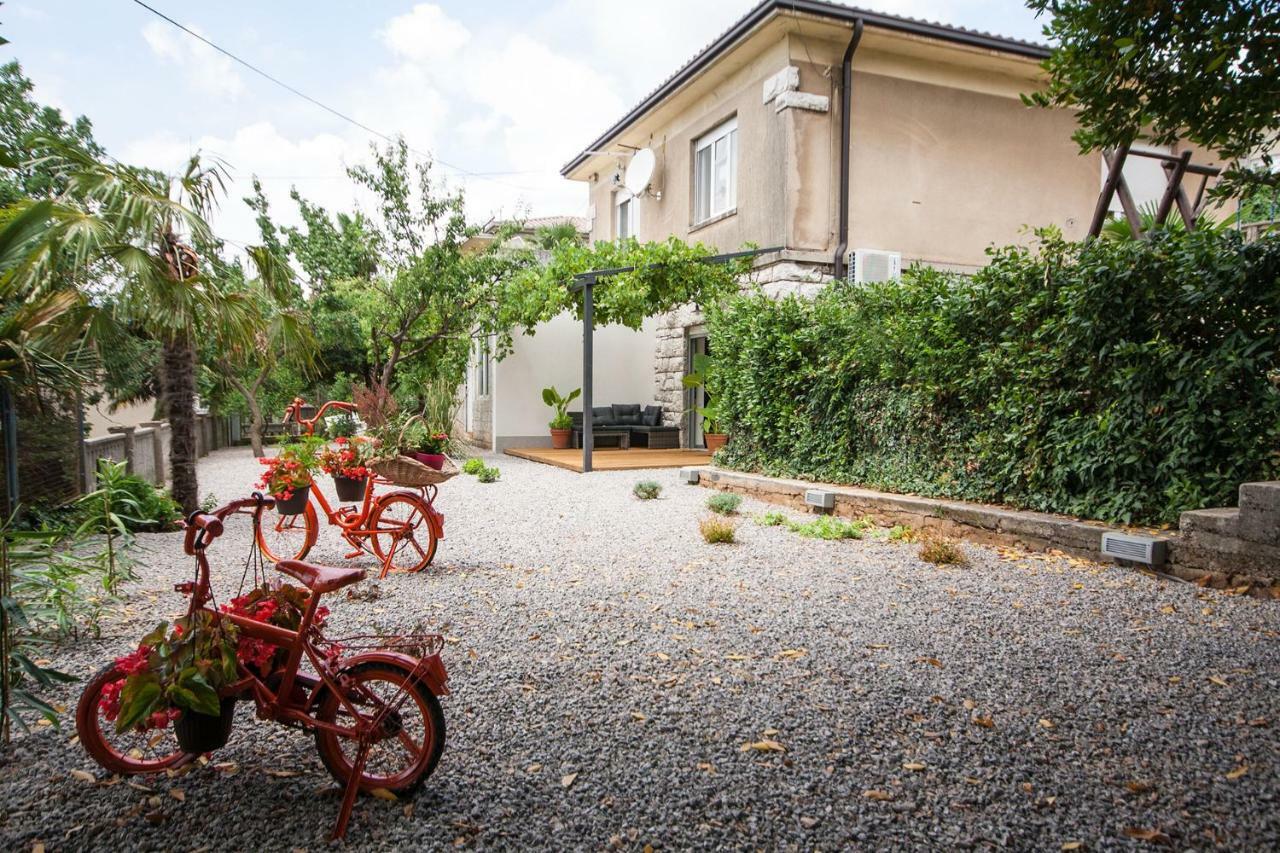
586 282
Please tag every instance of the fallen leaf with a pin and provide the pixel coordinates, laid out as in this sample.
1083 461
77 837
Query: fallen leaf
1154 836
83 776
791 654
284 774
1073 845
662 656
1047 724
1139 787
735 656
706 768
985 722
638 717
874 794
567 779
1218 680
969 704
384 794
178 794
877 646
930 661
533 768
913 765
763 746
37 847
1238 772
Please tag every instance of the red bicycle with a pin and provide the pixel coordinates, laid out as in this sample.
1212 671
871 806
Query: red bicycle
375 714
401 529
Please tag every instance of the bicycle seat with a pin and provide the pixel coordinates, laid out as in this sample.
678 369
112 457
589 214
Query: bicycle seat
319 578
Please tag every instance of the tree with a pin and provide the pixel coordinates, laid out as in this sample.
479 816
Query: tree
1199 70
118 228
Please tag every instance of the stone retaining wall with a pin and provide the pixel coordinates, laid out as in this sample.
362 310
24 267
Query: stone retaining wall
1193 555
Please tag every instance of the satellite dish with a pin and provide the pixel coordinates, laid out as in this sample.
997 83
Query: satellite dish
640 171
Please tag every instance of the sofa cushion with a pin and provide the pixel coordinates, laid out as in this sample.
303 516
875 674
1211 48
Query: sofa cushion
652 416
602 415
626 414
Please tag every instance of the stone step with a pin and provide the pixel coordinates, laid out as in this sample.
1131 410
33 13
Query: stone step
1220 521
1260 512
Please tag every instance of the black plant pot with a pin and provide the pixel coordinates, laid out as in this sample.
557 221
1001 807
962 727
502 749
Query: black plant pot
350 489
200 733
295 505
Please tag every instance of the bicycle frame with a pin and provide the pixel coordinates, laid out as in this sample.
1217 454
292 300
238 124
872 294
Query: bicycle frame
282 704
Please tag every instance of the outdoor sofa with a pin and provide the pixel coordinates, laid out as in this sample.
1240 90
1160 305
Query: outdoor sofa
631 423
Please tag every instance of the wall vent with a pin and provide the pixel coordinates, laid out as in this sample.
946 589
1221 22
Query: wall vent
1135 549
872 265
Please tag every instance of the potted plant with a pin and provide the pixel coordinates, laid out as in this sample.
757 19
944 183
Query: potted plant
347 463
561 425
287 476
702 376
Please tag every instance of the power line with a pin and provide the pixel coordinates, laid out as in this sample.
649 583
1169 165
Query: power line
484 176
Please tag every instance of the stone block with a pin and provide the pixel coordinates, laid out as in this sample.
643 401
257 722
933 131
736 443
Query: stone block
785 80
802 101
1222 521
1260 512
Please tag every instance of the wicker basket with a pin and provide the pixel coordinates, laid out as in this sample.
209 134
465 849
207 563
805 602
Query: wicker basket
404 471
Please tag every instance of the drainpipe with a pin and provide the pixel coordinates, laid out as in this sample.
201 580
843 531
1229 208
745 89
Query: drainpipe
846 96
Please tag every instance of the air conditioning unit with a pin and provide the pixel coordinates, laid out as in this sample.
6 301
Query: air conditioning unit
1136 549
871 265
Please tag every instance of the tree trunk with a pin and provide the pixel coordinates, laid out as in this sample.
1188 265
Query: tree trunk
257 423
180 397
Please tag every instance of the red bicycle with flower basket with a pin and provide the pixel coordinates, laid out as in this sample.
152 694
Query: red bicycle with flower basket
370 701
401 528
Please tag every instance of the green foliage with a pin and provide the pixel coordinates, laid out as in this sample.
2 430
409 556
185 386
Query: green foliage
342 425
124 503
646 490
724 503
1124 381
473 466
1203 71
704 376
902 533
717 531
552 398
772 518
830 527
488 474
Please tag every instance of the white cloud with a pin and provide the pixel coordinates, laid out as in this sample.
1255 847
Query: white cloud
426 35
206 70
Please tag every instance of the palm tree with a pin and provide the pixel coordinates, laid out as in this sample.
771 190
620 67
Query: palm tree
128 235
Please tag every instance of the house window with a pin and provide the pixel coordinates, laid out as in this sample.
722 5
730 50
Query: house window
624 216
484 370
715 172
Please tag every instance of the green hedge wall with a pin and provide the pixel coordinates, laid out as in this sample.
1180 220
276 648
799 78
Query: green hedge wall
1124 381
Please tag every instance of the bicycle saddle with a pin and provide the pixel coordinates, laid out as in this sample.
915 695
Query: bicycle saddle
319 578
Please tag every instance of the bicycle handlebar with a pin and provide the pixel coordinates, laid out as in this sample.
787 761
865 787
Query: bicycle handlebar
204 527
294 411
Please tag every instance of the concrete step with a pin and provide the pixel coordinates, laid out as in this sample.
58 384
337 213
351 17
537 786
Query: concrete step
1260 512
1221 521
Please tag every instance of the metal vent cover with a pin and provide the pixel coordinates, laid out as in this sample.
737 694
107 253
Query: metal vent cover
1137 549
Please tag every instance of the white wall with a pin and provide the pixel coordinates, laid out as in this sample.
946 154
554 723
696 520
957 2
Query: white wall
624 373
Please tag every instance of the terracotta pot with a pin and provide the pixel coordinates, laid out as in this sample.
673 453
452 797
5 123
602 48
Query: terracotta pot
297 504
561 438
431 460
349 489
199 733
715 440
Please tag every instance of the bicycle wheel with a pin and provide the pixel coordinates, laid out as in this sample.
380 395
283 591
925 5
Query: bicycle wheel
403 530
287 537
413 735
134 751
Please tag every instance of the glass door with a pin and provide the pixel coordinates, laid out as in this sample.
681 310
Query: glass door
698 398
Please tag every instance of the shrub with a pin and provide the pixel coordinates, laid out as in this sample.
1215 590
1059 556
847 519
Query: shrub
646 490
724 503
773 518
903 533
124 503
941 551
1124 381
716 530
487 474
474 465
830 527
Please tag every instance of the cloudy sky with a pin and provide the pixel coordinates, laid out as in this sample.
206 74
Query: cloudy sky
505 91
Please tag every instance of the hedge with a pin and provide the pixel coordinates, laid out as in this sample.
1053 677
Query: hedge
1125 381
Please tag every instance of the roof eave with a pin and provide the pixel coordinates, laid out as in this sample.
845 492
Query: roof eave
762 13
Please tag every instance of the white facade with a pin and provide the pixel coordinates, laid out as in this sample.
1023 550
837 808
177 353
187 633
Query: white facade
513 413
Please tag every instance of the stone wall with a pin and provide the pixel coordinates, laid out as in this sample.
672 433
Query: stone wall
778 274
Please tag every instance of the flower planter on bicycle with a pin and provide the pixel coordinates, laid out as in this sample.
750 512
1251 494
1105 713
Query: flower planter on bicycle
401 529
369 701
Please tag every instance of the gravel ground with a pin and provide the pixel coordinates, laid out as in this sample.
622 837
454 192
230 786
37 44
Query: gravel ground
609 667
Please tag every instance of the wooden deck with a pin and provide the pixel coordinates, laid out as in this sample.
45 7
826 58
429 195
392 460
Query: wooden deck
611 459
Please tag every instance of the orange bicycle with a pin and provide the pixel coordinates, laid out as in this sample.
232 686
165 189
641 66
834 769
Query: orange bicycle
401 529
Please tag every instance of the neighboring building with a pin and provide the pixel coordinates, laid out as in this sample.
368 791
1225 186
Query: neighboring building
503 405
944 159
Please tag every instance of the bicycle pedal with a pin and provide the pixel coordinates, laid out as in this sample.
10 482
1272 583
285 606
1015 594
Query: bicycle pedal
354 554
